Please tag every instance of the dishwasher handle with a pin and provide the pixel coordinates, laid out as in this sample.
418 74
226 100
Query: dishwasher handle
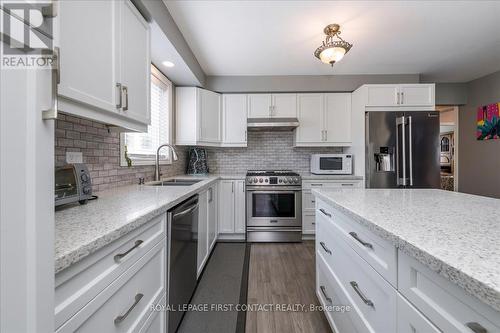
186 211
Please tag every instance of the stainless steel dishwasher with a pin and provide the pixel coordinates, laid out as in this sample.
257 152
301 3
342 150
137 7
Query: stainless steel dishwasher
182 263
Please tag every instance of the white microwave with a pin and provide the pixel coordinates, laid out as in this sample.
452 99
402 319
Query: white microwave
331 164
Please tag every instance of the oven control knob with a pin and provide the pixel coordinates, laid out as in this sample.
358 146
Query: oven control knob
255 180
281 180
296 180
84 177
260 180
285 180
249 180
267 180
86 190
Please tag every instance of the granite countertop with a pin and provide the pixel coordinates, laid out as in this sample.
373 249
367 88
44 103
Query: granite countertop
308 175
454 234
81 230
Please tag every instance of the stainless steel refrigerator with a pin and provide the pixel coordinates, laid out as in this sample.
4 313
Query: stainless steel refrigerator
402 149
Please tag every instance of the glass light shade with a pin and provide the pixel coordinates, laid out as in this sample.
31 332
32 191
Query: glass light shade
332 54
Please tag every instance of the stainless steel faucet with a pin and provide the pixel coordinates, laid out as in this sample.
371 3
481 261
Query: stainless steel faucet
157 165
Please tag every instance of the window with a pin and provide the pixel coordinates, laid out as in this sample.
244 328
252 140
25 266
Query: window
141 147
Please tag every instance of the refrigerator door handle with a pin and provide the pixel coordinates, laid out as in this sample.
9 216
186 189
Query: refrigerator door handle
410 147
401 121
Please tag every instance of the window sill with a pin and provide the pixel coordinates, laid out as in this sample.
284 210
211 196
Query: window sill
144 163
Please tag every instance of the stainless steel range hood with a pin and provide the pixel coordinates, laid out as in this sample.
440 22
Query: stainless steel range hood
272 124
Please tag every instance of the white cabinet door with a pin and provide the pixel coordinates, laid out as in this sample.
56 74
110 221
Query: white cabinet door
382 95
417 94
284 106
212 216
239 207
202 229
234 124
89 66
135 63
310 115
226 207
259 105
338 118
210 117
410 320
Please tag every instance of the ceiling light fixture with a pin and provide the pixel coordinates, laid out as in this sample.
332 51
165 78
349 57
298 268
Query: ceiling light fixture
332 50
168 64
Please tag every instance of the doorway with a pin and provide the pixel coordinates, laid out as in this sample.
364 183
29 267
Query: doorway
448 141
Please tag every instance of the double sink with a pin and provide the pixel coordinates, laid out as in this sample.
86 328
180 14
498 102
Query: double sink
175 182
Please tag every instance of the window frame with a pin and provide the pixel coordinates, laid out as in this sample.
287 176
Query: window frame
152 161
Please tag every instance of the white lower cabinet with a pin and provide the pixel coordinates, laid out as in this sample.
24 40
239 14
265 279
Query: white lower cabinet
114 289
202 231
207 225
410 320
232 209
309 202
387 290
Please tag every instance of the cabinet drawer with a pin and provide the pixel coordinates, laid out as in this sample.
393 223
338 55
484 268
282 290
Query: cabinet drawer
80 283
125 305
337 307
330 183
445 304
309 223
372 296
410 320
379 253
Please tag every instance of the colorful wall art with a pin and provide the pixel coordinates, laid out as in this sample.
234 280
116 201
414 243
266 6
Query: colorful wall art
488 122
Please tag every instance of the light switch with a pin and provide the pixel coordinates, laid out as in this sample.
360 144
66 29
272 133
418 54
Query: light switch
74 157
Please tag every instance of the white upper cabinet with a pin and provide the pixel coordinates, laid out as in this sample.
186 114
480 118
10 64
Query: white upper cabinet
284 106
234 120
198 117
272 105
105 63
259 105
338 118
417 96
89 66
135 63
325 120
382 95
210 117
311 117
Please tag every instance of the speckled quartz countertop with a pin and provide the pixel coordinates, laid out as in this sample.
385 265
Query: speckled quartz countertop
454 234
81 230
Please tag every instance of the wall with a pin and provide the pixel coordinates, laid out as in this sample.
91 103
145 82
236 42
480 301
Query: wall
451 93
265 150
302 83
101 153
479 161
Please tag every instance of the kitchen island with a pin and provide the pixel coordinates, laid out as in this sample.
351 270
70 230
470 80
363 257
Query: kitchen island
424 244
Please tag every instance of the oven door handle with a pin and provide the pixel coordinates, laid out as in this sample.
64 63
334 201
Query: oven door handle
266 189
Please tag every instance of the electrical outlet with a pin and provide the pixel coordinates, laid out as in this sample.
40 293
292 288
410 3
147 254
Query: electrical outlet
74 157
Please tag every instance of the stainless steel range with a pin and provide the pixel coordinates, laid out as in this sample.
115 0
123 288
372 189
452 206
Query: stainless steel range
274 206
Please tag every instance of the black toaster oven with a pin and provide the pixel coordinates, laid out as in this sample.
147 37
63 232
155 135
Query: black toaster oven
72 184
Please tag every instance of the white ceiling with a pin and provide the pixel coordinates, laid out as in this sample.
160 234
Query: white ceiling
445 41
163 50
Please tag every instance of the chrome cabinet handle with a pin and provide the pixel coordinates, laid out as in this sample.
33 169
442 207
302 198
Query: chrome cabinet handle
273 221
125 90
356 237
326 135
323 291
402 97
476 327
348 184
210 195
316 184
120 256
327 250
324 212
122 317
51 113
365 300
119 88
232 187
397 102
